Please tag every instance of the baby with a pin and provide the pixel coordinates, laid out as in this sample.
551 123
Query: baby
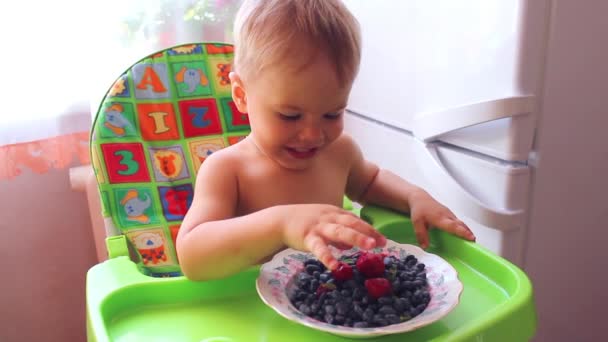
283 185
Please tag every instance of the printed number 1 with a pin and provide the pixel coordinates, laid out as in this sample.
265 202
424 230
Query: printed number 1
127 160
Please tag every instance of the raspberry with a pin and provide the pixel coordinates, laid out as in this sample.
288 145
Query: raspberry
378 287
343 272
371 265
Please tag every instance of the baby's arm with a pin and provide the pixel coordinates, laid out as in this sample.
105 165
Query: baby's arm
369 184
213 243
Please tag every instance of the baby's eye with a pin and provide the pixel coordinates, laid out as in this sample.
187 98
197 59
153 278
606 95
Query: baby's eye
289 117
333 116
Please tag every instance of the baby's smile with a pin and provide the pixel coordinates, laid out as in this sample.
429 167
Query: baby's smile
302 153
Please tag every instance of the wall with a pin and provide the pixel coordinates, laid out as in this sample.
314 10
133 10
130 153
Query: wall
567 241
45 250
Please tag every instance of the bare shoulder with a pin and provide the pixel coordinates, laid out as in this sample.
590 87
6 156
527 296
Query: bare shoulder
227 160
346 148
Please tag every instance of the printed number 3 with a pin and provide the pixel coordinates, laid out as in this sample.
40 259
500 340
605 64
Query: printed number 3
127 160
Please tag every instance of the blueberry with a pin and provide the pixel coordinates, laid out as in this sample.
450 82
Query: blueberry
311 262
345 293
396 285
316 274
399 305
329 309
361 325
381 322
310 269
357 293
392 319
388 261
342 308
348 322
357 311
305 309
329 318
350 284
293 295
406 303
314 308
386 300
368 315
387 310
314 284
324 277
420 266
418 283
302 295
339 319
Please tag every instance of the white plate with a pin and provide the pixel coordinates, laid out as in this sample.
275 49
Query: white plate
445 289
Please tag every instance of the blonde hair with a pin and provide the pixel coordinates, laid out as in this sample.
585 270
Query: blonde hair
265 31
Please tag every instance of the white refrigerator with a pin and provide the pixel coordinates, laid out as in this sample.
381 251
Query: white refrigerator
496 107
447 97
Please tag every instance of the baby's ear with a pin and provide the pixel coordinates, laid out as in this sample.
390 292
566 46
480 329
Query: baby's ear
238 92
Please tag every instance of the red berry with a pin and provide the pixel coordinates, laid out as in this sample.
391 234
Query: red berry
343 272
378 287
371 265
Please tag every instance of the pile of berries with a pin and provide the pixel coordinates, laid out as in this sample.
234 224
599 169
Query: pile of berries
366 290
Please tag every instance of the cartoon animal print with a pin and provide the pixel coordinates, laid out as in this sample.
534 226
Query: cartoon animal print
192 78
203 151
224 71
115 120
151 247
135 207
168 162
177 201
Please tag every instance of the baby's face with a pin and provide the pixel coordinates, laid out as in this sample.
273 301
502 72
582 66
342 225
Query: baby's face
296 110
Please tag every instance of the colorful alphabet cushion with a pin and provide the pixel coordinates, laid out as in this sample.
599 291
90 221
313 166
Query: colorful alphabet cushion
153 130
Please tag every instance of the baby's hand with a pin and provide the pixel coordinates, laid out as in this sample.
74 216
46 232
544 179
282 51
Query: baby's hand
313 227
426 212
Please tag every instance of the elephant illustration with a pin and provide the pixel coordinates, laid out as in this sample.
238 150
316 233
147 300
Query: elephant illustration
115 120
135 207
192 78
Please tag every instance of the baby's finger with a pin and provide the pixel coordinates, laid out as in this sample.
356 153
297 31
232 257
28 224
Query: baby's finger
421 231
338 233
352 221
456 227
317 246
341 246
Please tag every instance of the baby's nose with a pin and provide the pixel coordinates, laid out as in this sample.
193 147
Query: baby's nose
311 133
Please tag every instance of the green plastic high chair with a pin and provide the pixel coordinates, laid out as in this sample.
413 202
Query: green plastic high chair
155 127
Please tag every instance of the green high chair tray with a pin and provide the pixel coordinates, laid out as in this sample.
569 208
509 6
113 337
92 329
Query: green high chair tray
156 125
496 302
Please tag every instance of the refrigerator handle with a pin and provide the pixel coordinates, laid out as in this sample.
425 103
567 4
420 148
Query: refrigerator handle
458 198
429 126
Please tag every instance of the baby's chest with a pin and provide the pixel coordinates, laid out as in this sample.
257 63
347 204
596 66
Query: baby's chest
258 191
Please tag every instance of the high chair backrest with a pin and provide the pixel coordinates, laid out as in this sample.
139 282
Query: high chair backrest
153 130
